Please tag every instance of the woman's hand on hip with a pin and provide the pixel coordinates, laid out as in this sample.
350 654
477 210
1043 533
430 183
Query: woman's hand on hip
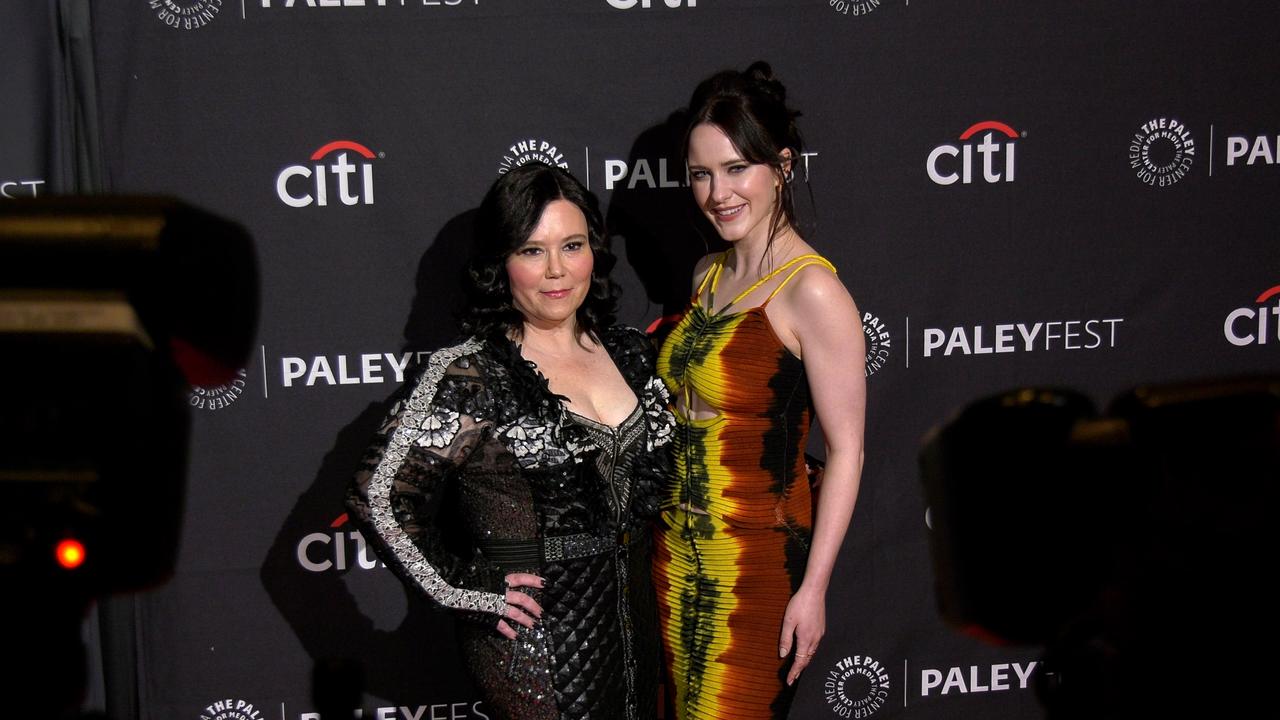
521 608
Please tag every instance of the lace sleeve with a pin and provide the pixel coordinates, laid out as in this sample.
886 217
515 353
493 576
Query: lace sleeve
427 438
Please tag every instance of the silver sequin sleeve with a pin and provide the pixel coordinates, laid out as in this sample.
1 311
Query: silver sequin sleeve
419 426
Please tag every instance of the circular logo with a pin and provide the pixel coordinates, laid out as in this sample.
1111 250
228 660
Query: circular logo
854 7
1161 151
186 14
230 710
216 398
878 342
857 687
532 150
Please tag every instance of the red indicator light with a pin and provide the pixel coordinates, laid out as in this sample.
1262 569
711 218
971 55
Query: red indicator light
70 554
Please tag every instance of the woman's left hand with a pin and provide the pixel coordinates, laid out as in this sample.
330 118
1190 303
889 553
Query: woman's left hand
803 625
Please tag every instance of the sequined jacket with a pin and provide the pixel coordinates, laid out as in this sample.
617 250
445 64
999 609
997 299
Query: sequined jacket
480 471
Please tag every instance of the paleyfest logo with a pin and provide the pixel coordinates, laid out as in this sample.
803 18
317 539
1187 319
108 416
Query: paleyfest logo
186 14
1161 152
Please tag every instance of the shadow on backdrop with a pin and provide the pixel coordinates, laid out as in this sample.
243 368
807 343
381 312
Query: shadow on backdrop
361 641
654 222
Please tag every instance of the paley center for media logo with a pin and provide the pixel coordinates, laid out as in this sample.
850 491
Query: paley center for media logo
992 141
1256 324
532 150
219 397
856 687
186 14
230 709
1162 151
855 8
342 168
879 343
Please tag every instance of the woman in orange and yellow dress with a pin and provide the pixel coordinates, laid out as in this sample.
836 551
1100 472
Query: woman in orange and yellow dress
743 557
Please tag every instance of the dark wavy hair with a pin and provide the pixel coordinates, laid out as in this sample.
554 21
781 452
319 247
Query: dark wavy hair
507 217
751 108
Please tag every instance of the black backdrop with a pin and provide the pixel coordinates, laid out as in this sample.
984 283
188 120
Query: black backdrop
1076 194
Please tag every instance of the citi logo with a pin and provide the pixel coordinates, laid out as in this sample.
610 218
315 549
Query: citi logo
1254 325
302 185
949 164
628 4
338 549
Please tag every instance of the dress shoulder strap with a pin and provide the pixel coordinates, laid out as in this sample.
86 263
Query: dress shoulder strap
800 263
711 277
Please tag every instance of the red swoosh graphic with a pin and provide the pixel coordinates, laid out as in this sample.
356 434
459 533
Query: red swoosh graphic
342 145
1268 294
989 125
340 521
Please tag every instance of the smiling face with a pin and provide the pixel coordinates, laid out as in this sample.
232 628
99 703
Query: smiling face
738 197
550 273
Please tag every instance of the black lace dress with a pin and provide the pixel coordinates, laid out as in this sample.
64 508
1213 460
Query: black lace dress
529 487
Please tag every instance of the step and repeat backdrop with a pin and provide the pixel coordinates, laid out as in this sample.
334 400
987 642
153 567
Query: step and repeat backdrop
1081 195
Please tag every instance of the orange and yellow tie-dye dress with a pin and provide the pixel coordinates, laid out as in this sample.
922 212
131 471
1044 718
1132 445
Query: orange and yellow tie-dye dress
736 520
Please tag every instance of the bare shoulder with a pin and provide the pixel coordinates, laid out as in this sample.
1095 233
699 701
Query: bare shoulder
815 309
816 290
700 269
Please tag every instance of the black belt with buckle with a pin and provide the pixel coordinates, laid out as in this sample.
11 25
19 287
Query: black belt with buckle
556 548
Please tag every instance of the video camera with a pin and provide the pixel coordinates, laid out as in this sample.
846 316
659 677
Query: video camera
110 309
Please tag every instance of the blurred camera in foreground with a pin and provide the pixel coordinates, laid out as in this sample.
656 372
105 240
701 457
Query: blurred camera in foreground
111 308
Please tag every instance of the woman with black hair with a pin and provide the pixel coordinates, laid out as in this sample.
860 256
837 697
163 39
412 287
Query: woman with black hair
550 427
743 558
